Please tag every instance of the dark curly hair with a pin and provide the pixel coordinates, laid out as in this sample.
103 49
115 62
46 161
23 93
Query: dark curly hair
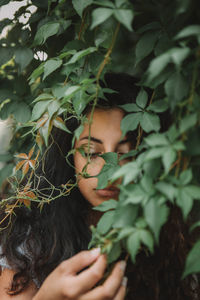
60 229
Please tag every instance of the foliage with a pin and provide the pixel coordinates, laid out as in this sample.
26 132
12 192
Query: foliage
158 41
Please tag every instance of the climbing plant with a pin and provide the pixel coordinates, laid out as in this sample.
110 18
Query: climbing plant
50 67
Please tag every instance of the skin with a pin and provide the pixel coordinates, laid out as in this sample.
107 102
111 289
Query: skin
72 279
105 137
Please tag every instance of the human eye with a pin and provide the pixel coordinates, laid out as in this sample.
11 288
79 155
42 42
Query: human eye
94 155
91 152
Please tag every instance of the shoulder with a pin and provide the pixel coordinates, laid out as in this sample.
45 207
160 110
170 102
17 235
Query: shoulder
5 283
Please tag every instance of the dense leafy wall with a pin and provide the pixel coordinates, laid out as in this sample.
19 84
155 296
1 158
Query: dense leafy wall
48 66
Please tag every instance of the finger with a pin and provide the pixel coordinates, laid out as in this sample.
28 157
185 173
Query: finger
88 278
79 261
110 287
122 290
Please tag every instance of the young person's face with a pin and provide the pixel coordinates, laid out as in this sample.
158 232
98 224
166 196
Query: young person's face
105 136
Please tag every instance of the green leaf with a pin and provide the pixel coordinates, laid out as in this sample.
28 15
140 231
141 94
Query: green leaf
135 195
150 122
53 107
125 232
185 177
158 106
21 112
110 158
6 172
130 122
114 254
105 222
50 66
133 245
193 191
106 205
129 172
178 55
188 31
80 5
77 134
142 98
130 107
39 109
125 216
166 189
187 122
154 153
156 216
61 125
78 55
79 101
100 15
169 156
105 175
69 92
36 73
5 55
145 45
192 264
125 17
156 139
23 56
158 64
184 201
176 88
105 3
43 96
147 239
45 31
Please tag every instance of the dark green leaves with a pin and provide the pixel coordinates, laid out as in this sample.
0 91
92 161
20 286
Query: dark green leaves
125 17
100 15
193 262
47 30
79 6
23 56
122 15
155 215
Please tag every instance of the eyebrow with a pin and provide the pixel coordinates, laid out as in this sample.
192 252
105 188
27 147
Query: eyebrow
93 139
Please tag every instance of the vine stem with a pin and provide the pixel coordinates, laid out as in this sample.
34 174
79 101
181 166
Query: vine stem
194 79
102 66
82 26
107 56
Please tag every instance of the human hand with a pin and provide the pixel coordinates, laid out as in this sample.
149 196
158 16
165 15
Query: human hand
65 284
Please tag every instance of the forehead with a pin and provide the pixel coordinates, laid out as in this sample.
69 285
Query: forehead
103 121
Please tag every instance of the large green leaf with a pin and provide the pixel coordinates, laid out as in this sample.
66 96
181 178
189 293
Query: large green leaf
125 17
193 261
188 31
145 45
50 66
79 5
105 222
150 122
156 216
130 122
45 31
23 57
100 15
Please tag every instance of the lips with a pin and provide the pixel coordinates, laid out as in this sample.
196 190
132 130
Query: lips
108 192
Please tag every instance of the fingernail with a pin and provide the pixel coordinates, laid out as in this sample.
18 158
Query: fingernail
95 252
124 281
123 265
